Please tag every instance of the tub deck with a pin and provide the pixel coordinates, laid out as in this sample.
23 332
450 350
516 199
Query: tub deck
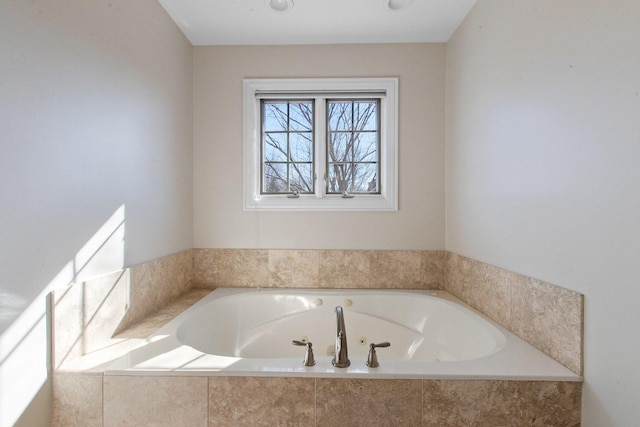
163 354
310 399
133 337
110 361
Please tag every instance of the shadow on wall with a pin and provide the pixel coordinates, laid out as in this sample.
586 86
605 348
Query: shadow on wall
25 347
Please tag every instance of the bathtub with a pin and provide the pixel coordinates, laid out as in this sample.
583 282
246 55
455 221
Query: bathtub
249 332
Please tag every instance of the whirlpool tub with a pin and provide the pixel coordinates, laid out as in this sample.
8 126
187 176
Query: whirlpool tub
249 332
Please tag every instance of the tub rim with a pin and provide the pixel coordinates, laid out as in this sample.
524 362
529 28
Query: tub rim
517 360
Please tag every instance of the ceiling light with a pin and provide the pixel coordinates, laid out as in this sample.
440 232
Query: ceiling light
397 5
280 6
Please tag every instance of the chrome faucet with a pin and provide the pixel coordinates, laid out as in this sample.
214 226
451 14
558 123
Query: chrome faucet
341 357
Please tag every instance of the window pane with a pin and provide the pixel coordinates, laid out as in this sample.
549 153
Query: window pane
301 146
275 116
353 148
300 116
340 177
353 178
339 114
275 147
365 115
301 177
365 178
287 146
275 178
365 147
340 147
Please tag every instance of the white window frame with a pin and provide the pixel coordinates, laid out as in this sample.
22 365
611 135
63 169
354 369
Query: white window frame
321 89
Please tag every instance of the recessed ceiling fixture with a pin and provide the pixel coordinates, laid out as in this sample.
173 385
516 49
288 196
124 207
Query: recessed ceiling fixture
280 6
397 5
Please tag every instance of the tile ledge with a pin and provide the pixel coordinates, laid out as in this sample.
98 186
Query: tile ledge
131 338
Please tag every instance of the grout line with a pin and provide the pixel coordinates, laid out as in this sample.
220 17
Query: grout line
445 285
102 403
208 398
422 401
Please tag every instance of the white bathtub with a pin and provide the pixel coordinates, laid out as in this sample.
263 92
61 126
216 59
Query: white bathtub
250 332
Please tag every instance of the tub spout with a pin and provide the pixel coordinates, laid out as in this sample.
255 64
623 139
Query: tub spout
341 357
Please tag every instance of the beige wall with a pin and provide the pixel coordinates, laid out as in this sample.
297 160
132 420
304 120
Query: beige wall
95 113
219 219
543 100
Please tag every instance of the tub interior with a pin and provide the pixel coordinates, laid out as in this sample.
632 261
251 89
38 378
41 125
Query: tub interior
261 325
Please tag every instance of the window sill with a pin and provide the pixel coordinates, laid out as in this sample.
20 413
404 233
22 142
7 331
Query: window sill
360 202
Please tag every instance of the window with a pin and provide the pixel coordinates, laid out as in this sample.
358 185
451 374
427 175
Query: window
320 144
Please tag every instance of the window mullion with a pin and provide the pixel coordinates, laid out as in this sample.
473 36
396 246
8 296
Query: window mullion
288 135
320 136
353 154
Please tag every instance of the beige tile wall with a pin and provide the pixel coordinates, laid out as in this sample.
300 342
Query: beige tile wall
155 401
156 283
352 402
261 401
544 315
269 401
501 403
318 268
548 317
87 315
77 400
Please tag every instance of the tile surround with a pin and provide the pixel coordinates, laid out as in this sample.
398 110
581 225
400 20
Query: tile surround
390 269
77 400
155 401
501 403
433 271
344 269
351 402
87 315
550 319
261 401
215 268
547 316
267 401
153 322
155 283
297 268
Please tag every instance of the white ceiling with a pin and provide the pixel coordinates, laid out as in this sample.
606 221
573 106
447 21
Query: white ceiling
251 22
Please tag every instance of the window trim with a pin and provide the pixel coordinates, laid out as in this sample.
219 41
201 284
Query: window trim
386 88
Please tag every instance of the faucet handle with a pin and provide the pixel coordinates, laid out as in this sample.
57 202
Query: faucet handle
372 360
382 344
308 355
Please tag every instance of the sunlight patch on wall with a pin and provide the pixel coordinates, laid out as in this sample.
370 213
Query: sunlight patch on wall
25 347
